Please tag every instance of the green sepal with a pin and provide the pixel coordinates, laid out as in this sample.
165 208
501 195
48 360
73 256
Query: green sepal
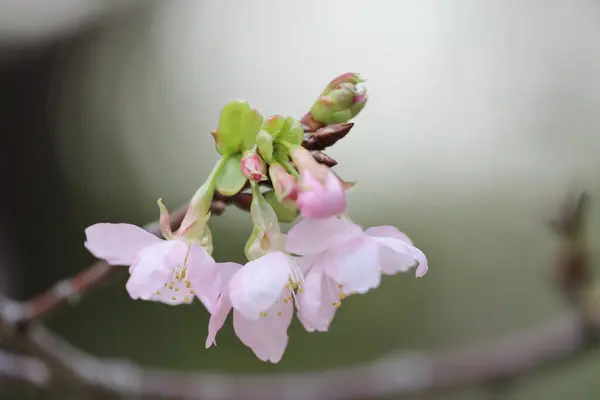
238 126
286 212
230 180
264 141
284 129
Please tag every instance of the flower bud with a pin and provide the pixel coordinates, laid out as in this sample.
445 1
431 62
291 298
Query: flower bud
342 100
321 194
253 167
284 184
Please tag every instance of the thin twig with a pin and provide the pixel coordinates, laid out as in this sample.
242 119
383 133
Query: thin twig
23 368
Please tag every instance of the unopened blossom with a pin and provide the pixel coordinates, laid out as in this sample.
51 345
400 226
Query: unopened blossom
342 259
285 185
253 167
169 271
321 193
342 100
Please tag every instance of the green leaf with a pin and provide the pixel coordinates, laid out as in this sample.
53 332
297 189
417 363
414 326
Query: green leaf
238 126
230 180
285 212
264 140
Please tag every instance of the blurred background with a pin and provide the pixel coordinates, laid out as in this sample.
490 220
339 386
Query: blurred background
482 115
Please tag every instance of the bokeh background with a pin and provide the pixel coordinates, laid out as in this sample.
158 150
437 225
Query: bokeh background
482 115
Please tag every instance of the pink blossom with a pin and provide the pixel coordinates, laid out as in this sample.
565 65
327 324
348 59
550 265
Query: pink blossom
261 294
320 200
168 271
284 184
321 193
342 259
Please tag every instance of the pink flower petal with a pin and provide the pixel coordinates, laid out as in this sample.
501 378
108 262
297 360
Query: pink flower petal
396 255
314 236
217 319
387 231
266 336
221 310
316 307
118 244
153 269
203 277
259 284
354 265
318 201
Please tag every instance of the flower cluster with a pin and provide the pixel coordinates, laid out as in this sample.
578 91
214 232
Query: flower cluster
322 259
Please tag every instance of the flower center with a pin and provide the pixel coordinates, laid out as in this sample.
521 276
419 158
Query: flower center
291 289
337 292
179 289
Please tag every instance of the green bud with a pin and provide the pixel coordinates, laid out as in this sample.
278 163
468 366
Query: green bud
238 126
342 100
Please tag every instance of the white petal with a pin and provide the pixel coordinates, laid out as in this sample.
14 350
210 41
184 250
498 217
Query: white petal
266 336
355 265
314 236
118 244
259 284
387 231
316 306
217 319
203 276
396 255
153 268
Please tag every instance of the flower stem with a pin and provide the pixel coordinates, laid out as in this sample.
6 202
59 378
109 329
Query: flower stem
199 206
204 194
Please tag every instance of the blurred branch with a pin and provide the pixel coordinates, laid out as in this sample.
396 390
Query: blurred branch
56 362
22 368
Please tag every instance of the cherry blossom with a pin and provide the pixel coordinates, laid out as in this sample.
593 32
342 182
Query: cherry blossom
261 294
341 259
168 271
321 193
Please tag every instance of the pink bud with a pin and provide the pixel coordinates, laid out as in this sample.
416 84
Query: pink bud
253 167
284 184
321 200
